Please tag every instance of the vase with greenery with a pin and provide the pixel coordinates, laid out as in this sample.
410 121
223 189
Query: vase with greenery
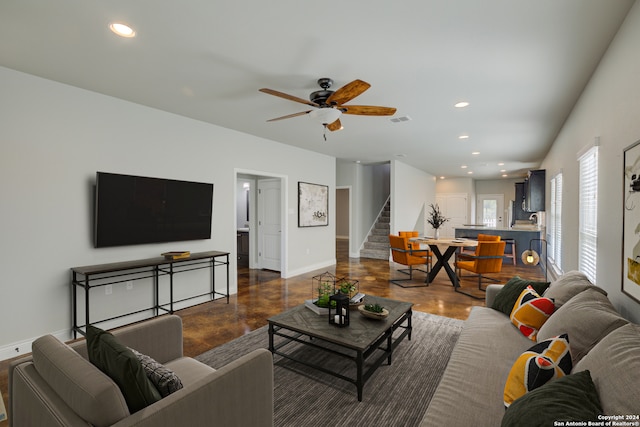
436 219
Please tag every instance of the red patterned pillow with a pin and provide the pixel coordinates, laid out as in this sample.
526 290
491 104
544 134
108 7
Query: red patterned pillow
537 366
530 312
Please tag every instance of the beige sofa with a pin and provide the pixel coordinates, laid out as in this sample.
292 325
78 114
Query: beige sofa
58 386
471 390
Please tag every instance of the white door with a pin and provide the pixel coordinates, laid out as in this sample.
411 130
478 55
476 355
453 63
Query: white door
269 224
490 210
454 207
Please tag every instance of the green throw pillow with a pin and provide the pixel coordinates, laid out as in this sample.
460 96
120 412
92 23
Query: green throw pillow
508 295
122 366
570 398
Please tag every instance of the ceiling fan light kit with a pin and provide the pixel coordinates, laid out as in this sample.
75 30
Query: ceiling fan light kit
329 104
326 115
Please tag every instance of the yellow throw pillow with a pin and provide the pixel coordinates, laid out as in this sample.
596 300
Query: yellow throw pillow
530 312
537 366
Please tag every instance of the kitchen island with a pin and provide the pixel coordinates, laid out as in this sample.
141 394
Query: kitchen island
521 237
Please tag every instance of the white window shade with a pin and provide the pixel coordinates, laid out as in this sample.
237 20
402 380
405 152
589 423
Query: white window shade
588 214
555 222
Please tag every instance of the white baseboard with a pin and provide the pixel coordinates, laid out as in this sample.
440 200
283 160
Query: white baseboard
308 268
24 347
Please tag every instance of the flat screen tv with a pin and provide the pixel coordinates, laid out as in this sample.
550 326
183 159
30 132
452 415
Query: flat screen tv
131 210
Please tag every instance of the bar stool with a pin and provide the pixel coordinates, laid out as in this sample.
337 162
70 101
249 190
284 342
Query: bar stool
512 254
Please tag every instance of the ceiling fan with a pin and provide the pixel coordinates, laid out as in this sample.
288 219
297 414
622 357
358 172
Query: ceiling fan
330 104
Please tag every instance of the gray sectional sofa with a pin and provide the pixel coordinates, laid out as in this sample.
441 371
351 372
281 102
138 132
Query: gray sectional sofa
470 392
58 386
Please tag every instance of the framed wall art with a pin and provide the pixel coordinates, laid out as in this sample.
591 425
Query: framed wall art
313 205
631 222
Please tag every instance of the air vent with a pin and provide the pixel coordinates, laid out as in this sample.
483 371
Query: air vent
400 119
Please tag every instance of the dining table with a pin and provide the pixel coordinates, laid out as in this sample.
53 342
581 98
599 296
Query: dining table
442 258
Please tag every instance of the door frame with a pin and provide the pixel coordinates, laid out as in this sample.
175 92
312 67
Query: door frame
353 253
284 208
500 201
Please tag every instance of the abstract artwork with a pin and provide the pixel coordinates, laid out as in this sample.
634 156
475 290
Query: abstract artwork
631 223
313 205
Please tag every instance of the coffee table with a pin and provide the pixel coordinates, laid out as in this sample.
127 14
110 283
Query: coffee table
364 340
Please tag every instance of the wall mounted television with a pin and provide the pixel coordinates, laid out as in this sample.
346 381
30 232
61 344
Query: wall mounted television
131 210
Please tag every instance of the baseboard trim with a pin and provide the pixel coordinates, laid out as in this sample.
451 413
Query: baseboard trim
309 268
21 348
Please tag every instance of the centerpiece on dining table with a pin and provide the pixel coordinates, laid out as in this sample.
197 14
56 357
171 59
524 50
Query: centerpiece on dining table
436 219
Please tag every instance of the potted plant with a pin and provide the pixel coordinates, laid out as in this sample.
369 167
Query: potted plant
373 311
436 219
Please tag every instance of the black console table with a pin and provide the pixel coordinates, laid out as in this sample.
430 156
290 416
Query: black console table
98 276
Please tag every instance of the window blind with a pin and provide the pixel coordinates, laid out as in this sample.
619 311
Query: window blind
588 213
555 221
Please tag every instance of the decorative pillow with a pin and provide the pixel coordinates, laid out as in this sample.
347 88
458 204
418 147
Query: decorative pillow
509 293
569 285
587 318
530 312
122 366
570 398
614 364
537 366
165 380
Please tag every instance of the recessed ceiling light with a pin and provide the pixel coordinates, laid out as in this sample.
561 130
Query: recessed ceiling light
504 175
442 177
475 153
461 104
463 137
470 172
503 170
463 166
122 30
501 164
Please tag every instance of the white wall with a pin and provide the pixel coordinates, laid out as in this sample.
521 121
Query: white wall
412 191
55 137
609 108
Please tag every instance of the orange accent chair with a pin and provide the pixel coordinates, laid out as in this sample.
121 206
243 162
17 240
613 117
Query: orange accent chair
402 252
487 259
480 238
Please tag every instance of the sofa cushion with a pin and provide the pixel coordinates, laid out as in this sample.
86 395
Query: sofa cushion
537 366
122 366
587 318
163 378
614 364
569 285
570 398
480 361
83 387
510 292
530 312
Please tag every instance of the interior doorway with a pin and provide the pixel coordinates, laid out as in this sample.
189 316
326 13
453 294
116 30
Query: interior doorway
261 221
343 219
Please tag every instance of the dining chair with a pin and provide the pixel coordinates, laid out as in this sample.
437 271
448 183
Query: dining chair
486 260
403 253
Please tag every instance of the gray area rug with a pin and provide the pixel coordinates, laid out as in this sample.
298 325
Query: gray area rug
396 395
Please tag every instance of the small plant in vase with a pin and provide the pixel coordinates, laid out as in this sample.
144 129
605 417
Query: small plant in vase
436 219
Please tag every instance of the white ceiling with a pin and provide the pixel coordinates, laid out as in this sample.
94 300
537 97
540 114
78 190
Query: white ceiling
521 64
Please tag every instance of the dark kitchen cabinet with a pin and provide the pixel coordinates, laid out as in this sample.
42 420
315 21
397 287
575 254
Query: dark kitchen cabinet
535 191
243 249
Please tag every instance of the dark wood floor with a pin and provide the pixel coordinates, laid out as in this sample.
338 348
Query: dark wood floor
262 294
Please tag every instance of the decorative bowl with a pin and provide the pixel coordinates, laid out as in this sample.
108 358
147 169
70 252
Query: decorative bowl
371 314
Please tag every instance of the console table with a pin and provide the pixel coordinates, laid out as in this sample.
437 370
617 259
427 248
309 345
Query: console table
98 276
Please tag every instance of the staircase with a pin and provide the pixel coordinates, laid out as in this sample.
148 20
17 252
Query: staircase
377 244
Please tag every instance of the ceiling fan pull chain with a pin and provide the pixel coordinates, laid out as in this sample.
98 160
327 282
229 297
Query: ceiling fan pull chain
324 132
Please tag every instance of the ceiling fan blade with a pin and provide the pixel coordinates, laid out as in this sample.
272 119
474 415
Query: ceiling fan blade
335 126
287 96
288 116
367 110
347 92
